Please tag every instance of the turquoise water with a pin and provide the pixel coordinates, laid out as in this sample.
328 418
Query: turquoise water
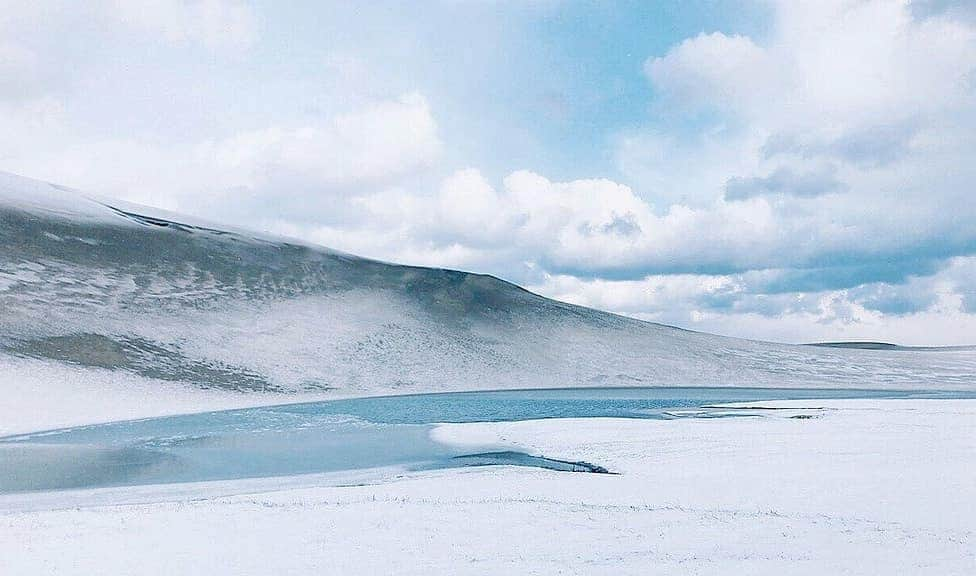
341 435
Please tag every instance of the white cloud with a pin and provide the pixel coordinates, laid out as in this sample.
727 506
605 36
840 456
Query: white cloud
583 225
18 71
857 82
214 23
305 172
828 64
851 120
305 169
727 304
725 71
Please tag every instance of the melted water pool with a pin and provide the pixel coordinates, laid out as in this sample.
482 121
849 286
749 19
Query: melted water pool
340 435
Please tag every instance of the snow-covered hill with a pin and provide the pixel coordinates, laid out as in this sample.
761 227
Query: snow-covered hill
110 290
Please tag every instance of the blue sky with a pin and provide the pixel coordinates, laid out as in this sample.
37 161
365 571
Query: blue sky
782 170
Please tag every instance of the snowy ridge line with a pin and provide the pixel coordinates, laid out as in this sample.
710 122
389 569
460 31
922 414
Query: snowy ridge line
51 200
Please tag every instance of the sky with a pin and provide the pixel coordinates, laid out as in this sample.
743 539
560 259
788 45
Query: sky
794 171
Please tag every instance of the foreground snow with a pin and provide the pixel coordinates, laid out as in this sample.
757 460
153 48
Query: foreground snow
864 487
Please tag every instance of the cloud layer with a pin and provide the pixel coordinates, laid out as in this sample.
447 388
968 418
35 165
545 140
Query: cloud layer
809 181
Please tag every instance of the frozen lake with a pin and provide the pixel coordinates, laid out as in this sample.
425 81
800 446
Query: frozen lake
340 435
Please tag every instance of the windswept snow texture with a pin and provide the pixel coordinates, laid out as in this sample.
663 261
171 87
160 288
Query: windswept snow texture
100 285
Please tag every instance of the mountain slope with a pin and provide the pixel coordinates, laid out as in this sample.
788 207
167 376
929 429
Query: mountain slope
113 288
